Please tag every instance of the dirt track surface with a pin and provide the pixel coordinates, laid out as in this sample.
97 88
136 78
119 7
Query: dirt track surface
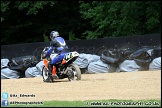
139 85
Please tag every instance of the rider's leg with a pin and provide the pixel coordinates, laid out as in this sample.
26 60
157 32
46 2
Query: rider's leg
51 73
50 69
54 70
55 60
51 65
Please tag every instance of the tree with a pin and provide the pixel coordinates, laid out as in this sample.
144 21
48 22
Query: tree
121 18
17 19
32 21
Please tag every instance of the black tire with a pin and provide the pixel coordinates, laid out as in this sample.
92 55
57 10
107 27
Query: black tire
38 53
45 74
75 68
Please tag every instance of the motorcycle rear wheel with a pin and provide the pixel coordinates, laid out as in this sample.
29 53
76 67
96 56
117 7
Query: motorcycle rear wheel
75 70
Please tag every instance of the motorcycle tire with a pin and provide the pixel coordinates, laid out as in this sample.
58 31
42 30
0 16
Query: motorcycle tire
45 74
76 71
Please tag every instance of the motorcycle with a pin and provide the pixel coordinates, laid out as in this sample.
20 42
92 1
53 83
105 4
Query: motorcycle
64 69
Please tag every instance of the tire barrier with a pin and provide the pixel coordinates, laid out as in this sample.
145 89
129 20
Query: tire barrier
112 56
20 64
85 59
142 56
4 63
129 66
7 73
89 50
37 53
32 72
97 67
155 64
88 63
93 46
142 51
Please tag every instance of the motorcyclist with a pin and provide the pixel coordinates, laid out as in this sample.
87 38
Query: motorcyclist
58 43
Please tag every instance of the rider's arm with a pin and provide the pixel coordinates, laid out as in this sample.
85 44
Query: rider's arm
49 51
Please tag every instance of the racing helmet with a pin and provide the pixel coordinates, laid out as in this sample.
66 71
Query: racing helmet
54 34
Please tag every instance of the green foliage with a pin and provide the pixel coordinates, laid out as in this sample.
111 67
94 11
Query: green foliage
46 39
32 19
153 16
77 19
20 19
121 18
4 5
90 35
32 6
71 35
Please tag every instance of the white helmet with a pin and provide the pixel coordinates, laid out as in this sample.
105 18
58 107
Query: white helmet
54 34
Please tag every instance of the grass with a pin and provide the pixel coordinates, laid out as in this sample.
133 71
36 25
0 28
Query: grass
95 103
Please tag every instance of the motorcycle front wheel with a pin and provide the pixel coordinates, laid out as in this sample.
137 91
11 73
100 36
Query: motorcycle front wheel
44 73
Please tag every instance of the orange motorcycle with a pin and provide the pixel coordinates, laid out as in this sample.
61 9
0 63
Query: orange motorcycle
64 69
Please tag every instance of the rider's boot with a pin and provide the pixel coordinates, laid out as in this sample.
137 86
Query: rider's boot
54 75
49 79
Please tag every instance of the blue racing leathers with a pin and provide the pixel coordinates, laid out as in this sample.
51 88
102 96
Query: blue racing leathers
61 47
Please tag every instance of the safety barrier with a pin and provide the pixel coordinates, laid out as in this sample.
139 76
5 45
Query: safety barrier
94 46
